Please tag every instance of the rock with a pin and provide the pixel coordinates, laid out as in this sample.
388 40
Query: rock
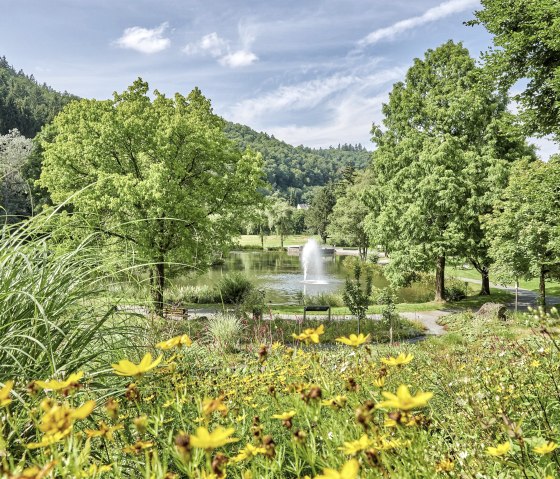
492 311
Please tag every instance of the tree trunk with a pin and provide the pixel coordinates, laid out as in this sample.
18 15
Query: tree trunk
262 240
542 288
282 240
485 287
440 279
157 287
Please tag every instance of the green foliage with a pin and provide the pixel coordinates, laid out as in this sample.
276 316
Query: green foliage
357 291
234 288
322 204
526 34
224 332
158 174
445 151
456 290
294 171
347 221
194 294
525 227
24 104
52 317
279 214
15 191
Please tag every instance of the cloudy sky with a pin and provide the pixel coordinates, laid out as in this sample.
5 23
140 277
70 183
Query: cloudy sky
310 72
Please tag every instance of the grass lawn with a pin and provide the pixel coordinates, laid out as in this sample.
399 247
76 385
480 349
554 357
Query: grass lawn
273 241
552 287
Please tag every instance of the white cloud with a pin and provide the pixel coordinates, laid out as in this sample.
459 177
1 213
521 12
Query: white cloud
433 14
144 40
308 94
240 58
212 44
220 48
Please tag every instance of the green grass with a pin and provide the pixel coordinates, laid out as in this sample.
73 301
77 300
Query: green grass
273 241
552 287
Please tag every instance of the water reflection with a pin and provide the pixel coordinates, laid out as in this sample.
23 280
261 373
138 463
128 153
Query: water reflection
281 277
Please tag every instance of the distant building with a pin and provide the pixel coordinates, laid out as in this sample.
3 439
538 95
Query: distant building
302 206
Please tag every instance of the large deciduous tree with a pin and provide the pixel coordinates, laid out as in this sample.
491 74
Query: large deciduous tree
439 159
157 174
527 37
525 226
347 220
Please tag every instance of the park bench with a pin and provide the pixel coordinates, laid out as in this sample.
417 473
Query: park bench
175 311
312 307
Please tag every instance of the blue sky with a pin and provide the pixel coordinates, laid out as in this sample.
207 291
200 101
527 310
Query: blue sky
310 72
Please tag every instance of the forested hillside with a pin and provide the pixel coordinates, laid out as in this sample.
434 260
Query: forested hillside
293 171
24 103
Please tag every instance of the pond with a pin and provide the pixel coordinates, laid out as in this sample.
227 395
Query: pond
280 275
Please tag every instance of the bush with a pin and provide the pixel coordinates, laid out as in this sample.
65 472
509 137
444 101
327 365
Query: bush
455 290
322 299
233 288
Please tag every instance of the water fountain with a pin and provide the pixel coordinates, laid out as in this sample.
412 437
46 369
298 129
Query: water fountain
311 261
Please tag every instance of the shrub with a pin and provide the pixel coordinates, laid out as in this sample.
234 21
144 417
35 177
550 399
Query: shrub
455 290
233 288
224 332
194 294
323 299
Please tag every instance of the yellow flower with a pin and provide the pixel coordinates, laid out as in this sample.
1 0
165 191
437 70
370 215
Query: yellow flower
248 452
535 363
34 472
137 447
379 382
211 405
59 418
71 382
183 340
399 360
203 439
353 340
354 447
127 368
48 440
546 448
284 416
499 450
445 465
336 402
348 471
310 334
403 400
103 431
5 393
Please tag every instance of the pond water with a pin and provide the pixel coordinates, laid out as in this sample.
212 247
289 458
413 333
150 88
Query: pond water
280 275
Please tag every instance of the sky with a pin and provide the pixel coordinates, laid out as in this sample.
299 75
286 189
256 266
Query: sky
308 72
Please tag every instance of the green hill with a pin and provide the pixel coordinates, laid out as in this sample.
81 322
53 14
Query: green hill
294 171
24 103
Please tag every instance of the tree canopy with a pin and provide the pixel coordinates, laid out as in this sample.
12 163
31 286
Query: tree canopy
447 142
527 37
159 175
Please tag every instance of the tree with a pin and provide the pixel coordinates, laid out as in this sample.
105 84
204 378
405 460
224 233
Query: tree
525 226
322 204
347 220
279 214
439 158
157 175
15 192
526 34
357 291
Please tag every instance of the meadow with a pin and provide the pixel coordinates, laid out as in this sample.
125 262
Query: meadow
106 393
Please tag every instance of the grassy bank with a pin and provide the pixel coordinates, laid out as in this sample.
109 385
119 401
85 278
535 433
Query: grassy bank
552 287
